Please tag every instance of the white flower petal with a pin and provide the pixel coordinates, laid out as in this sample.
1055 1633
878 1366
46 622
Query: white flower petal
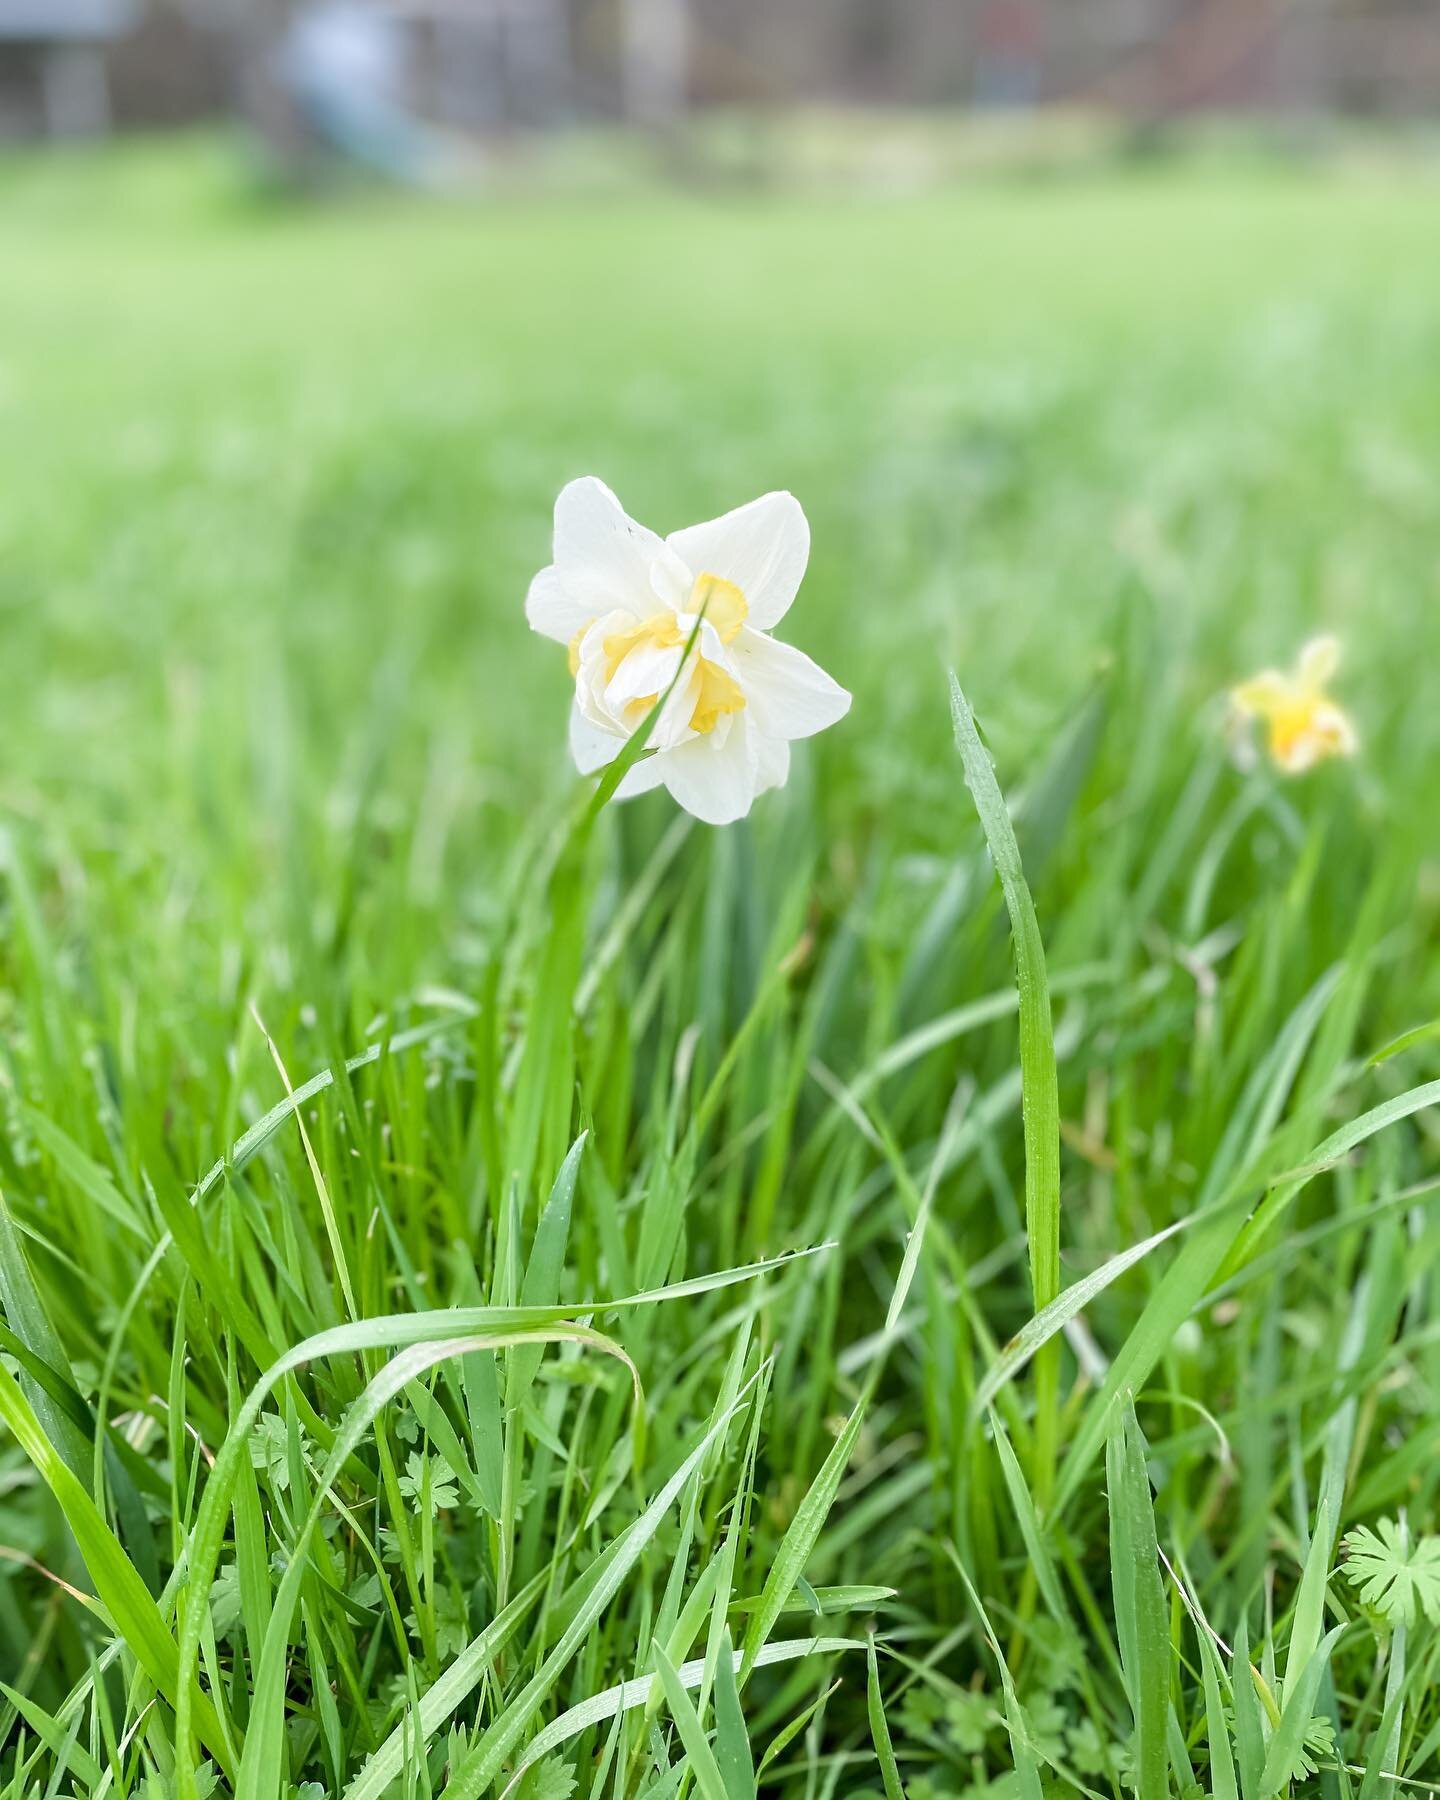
670 579
644 673
787 694
763 548
591 747
553 610
601 555
1299 755
714 781
1336 729
594 749
648 773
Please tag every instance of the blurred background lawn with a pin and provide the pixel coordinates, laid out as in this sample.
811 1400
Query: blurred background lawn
260 456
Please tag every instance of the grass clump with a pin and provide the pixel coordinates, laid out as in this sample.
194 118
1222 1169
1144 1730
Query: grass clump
492 1303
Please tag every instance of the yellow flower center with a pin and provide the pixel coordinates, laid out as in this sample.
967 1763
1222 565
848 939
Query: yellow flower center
722 603
1291 724
717 692
1303 725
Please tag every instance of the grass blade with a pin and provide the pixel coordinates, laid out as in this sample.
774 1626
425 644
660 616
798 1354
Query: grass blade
1141 1621
1039 1079
687 1722
732 1741
798 1542
879 1729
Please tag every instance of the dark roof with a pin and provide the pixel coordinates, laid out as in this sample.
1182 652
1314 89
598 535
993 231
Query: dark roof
46 21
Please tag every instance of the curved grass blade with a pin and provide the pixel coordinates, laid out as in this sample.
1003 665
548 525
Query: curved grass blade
1055 1317
262 1770
448 1693
479 1768
117 1582
255 1138
1022 1750
397 1331
1185 1282
631 1694
1031 1531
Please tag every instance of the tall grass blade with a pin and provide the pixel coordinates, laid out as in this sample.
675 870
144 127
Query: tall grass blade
1141 1621
1040 1093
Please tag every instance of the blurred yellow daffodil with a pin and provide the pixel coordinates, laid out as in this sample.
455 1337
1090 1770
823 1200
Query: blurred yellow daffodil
629 604
1303 725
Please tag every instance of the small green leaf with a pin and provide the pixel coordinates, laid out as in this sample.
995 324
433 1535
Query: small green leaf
1399 1580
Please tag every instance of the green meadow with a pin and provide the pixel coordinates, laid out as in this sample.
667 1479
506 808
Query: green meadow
502 1295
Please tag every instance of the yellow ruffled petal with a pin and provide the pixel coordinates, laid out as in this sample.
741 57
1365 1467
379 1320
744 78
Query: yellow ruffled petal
723 604
719 693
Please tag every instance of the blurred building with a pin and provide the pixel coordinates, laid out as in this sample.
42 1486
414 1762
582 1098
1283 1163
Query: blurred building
76 68
54 74
1149 57
487 66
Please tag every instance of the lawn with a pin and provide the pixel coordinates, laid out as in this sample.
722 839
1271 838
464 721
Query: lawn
572 1327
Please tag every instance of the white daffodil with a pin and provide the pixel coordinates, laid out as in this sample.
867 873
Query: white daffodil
627 603
1303 725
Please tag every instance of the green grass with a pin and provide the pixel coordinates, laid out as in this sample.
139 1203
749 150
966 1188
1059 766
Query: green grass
468 1414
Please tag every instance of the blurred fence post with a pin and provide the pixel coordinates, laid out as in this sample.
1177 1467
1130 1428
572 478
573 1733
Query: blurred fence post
657 61
538 61
76 90
256 29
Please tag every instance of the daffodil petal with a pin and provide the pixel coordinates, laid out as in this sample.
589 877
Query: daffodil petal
762 547
591 747
555 612
1296 755
1263 694
1335 729
594 749
713 778
646 671
648 773
789 695
671 580
1319 659
602 556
